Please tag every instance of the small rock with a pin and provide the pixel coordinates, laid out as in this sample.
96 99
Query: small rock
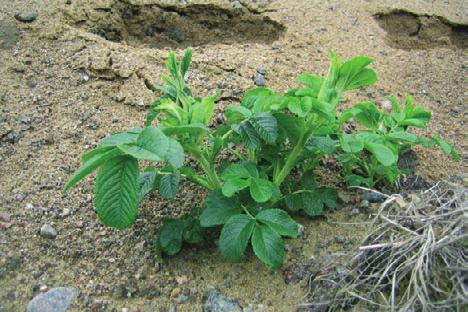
354 212
301 231
5 217
85 78
55 300
344 197
65 212
214 301
262 70
340 239
375 197
176 292
48 231
182 280
182 299
11 137
24 120
43 288
26 17
259 80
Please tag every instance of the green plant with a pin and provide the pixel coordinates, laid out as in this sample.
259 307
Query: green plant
276 139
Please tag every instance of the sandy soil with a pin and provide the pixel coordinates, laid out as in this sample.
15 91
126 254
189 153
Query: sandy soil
79 72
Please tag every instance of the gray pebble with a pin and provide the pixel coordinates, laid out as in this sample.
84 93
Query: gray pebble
262 70
48 231
55 300
26 17
217 302
340 239
182 299
259 80
374 198
354 212
24 120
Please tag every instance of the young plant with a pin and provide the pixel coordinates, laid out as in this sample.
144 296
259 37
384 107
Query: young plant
275 138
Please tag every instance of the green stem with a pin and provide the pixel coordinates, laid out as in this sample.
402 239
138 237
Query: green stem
247 212
291 161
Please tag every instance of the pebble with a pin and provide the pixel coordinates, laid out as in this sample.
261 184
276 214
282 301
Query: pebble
182 299
26 17
24 120
262 70
48 231
215 301
354 212
11 137
5 217
375 197
176 292
55 300
340 239
182 280
259 80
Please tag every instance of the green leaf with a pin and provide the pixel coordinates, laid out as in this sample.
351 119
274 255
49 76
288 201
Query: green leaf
193 232
241 170
218 209
266 126
308 180
235 236
252 95
248 134
169 185
202 112
146 182
290 125
367 114
356 180
382 153
403 136
234 185
447 148
116 192
236 114
93 161
268 246
324 145
261 190
279 221
311 81
193 129
186 62
152 144
329 196
121 138
170 237
175 154
349 144
354 75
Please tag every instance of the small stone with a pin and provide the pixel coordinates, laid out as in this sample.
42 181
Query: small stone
340 239
65 212
26 17
214 301
182 299
24 120
354 212
182 280
344 197
262 70
48 231
5 217
375 197
301 230
43 288
55 300
19 197
85 78
176 292
79 224
11 137
259 80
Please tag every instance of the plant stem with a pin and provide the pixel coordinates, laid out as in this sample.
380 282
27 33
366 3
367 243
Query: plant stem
247 212
291 161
